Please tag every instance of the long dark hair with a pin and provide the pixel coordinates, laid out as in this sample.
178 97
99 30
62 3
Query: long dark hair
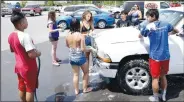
52 16
74 25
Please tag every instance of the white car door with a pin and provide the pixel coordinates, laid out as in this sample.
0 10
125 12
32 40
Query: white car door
176 46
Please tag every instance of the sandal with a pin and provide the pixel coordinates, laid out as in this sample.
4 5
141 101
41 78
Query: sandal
88 90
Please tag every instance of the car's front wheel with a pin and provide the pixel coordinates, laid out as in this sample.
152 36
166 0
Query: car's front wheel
40 13
101 24
63 24
134 77
116 15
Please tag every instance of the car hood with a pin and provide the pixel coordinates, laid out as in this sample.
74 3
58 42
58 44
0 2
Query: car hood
118 35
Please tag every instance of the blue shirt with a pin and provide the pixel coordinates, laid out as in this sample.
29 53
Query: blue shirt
159 46
54 34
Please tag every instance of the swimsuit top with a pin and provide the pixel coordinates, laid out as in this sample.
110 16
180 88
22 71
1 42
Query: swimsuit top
84 29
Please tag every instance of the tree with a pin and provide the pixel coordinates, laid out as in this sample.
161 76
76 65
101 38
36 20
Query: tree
23 3
50 3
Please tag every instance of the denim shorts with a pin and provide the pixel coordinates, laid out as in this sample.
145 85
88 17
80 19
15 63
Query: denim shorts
78 62
88 41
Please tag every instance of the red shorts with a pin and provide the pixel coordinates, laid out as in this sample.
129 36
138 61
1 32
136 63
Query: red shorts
158 68
28 84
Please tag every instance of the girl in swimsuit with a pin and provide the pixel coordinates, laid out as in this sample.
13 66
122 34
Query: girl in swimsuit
76 44
86 27
53 36
135 14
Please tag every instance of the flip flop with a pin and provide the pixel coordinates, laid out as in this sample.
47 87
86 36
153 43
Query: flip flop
88 90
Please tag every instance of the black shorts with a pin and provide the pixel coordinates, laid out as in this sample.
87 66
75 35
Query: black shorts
53 39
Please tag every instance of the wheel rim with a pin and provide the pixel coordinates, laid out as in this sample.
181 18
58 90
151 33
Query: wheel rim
117 16
63 25
137 78
101 24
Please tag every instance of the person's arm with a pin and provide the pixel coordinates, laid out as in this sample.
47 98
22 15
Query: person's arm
172 30
51 30
140 15
130 13
67 44
144 32
83 45
30 48
11 49
118 24
92 26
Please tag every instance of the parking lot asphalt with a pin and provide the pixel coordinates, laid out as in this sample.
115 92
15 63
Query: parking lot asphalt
57 81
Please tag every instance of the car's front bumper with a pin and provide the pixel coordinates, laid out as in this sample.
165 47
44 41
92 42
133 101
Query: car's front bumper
106 69
28 12
6 13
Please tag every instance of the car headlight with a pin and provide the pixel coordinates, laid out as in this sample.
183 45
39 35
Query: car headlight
31 10
103 56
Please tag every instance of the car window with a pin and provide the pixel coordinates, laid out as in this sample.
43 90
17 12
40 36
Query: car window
79 7
172 17
93 8
164 5
93 12
69 9
78 13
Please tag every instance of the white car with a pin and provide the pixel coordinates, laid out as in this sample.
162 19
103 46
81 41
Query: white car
122 55
114 10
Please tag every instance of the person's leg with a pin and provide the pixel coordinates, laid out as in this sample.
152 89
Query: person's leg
22 95
155 73
54 47
22 88
75 70
30 96
163 79
85 70
87 58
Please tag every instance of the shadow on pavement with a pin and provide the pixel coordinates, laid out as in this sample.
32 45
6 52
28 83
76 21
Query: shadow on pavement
175 86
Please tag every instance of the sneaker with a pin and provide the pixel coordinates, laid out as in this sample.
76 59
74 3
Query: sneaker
56 64
161 96
154 99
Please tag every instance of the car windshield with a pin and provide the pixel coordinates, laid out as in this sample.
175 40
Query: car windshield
173 17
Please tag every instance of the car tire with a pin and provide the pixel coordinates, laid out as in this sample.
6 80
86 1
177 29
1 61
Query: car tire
117 15
3 15
101 24
40 13
131 80
33 14
63 24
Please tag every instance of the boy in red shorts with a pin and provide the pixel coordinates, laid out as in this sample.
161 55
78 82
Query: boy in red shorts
159 54
25 54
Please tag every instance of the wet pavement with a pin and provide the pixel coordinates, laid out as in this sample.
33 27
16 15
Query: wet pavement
55 83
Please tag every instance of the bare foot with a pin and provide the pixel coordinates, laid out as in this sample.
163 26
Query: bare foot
88 90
